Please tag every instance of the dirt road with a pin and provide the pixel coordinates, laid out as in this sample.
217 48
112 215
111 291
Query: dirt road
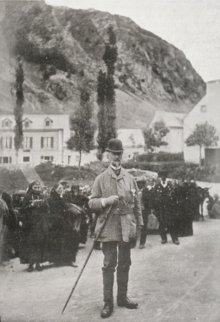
171 284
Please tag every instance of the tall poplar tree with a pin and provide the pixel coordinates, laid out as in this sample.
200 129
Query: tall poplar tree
106 94
18 110
81 124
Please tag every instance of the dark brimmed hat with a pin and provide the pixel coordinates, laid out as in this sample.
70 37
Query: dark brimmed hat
163 173
114 145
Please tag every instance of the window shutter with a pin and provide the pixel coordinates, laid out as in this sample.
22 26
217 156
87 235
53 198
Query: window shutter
31 143
42 143
10 142
52 142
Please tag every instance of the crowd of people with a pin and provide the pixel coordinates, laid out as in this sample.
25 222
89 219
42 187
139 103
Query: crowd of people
44 225
49 224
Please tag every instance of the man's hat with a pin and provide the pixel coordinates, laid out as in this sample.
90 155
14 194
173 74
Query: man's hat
114 145
163 173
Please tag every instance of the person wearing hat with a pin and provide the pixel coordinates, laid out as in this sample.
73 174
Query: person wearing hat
148 200
165 209
115 199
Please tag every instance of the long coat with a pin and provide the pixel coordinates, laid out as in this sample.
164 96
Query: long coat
4 214
165 204
35 229
64 239
122 216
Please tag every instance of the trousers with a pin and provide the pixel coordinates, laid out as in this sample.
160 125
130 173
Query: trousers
116 254
171 228
143 238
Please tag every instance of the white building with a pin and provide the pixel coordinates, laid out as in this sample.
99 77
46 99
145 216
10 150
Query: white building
206 110
174 122
44 138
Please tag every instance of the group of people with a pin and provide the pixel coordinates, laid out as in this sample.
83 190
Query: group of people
52 225
174 204
47 227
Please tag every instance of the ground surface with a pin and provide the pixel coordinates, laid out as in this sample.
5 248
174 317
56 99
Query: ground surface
171 283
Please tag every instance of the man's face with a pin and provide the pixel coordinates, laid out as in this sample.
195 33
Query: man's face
163 177
115 158
150 182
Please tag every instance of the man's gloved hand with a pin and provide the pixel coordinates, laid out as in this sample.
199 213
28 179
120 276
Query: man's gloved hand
112 200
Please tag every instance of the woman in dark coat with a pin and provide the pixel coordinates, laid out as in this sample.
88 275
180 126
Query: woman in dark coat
64 241
35 227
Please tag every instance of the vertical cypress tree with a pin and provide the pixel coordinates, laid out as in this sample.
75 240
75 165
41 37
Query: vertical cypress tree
18 110
106 94
81 124
101 93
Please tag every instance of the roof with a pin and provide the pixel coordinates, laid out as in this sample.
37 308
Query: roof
170 119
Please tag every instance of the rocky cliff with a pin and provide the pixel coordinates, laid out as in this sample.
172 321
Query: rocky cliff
62 50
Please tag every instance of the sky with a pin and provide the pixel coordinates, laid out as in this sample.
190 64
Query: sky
192 26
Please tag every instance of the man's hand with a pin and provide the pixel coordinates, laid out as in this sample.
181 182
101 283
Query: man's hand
112 200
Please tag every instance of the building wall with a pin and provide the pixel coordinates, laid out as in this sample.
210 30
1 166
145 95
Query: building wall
206 110
44 139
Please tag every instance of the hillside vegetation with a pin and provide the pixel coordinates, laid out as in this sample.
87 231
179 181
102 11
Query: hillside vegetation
62 50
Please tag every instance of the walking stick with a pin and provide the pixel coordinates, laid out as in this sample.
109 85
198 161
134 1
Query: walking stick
86 261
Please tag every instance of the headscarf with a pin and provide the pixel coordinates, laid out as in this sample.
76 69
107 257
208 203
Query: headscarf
30 188
53 192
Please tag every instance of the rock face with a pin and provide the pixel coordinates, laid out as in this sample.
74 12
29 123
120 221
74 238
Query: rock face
62 50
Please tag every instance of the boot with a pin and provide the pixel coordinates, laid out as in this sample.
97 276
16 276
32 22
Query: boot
38 267
122 279
107 310
125 302
30 268
108 282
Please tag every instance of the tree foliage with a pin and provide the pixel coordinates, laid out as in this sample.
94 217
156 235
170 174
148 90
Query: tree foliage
204 135
18 110
81 124
106 95
153 137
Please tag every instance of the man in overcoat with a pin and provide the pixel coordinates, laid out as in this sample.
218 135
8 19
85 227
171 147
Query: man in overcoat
165 209
114 198
148 202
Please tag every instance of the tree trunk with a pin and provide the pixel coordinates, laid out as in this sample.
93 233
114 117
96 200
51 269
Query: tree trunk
80 158
200 155
16 156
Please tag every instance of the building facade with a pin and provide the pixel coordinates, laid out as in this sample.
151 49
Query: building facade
44 138
174 138
206 110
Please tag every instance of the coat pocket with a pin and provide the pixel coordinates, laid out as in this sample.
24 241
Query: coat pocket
128 228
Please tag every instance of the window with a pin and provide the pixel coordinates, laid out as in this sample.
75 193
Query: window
47 143
6 123
48 122
27 143
27 123
77 158
47 158
6 142
26 159
203 108
6 159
